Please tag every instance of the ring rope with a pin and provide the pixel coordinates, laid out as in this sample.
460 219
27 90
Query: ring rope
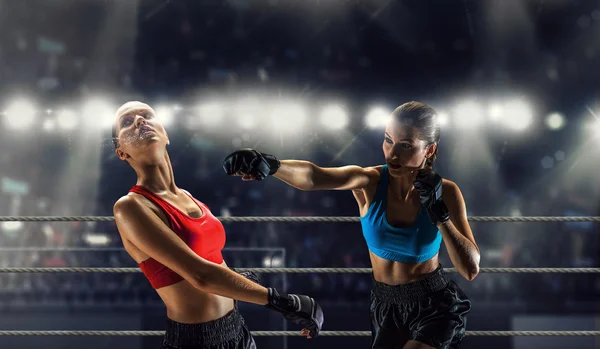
294 333
118 249
300 270
341 219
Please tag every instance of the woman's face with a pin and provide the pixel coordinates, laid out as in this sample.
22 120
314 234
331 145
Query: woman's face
140 134
403 149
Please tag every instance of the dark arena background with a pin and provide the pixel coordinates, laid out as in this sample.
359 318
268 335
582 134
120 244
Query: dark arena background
516 84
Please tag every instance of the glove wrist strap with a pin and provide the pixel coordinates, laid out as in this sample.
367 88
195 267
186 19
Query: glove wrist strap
273 162
438 212
281 302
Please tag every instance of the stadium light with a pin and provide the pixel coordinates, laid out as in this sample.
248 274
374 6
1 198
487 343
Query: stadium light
99 109
468 114
555 121
334 117
211 113
288 117
517 115
20 114
377 117
66 119
165 114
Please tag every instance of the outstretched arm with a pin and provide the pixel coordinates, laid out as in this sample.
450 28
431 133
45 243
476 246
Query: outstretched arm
300 174
305 175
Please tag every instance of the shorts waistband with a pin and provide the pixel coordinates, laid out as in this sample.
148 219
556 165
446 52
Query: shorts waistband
434 282
205 334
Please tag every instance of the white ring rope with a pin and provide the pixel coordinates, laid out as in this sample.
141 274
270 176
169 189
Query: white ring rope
278 270
341 219
294 333
118 249
299 270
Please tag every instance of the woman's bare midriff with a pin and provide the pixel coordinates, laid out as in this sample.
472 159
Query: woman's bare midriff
189 305
396 273
386 271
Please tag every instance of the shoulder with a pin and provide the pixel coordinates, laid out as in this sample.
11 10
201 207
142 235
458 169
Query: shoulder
373 175
449 185
373 171
126 204
132 204
451 191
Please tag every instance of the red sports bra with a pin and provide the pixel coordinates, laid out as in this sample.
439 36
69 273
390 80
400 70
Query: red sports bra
204 235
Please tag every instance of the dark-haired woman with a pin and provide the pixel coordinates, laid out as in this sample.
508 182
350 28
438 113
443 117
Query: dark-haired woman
406 211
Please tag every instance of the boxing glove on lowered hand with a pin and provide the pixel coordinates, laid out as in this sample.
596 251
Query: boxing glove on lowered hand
250 162
300 309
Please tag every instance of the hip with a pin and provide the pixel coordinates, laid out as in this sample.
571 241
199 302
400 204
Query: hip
436 294
187 304
227 332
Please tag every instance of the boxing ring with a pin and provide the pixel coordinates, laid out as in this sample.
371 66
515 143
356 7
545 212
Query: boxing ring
284 270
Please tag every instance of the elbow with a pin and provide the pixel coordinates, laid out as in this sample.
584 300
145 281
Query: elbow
472 269
309 183
201 280
471 273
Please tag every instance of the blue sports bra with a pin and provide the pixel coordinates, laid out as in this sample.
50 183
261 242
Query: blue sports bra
418 242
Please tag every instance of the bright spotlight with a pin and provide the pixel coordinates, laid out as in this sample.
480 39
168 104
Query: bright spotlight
495 112
165 114
593 127
377 118
555 121
20 114
288 117
272 262
334 117
99 109
517 115
96 239
246 113
49 125
67 119
443 118
247 121
10 227
468 114
211 114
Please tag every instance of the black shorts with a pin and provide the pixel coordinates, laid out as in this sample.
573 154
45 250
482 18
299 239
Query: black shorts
432 311
228 332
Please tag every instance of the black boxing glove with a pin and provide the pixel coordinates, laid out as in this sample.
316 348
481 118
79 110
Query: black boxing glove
429 185
250 162
299 309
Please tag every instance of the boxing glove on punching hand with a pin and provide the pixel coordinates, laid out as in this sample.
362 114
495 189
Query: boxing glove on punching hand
250 162
429 185
299 309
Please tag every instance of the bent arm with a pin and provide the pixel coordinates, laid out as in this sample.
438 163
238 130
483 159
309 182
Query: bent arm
149 233
305 175
457 234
